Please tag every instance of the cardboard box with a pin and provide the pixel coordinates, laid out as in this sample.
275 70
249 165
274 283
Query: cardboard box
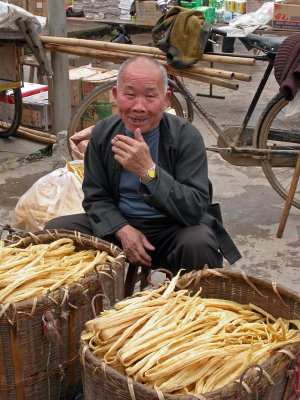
20 3
38 7
37 111
286 16
75 76
95 112
84 79
90 83
147 13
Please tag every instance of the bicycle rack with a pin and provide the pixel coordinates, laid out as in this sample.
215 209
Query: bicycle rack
211 95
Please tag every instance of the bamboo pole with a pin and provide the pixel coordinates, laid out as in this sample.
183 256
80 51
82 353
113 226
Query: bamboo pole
32 134
289 199
37 138
183 73
194 73
207 79
38 133
100 45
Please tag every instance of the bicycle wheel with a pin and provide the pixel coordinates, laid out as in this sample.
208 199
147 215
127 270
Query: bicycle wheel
185 103
10 111
100 104
278 131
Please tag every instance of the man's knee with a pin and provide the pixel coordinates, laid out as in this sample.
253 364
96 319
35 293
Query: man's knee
73 222
196 247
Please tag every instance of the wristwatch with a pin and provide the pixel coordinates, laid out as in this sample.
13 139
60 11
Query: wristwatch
151 174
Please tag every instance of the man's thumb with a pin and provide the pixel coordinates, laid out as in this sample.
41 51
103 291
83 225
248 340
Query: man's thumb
138 135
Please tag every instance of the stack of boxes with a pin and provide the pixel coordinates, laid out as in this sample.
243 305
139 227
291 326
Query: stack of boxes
83 81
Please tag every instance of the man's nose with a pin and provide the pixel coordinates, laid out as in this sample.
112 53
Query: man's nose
139 103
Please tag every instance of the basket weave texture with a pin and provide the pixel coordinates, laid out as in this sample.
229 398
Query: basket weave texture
270 381
38 365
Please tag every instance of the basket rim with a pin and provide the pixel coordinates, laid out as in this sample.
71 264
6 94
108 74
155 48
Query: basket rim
229 273
185 279
79 238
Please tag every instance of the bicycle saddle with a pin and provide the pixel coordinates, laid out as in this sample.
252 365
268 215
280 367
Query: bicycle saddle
268 44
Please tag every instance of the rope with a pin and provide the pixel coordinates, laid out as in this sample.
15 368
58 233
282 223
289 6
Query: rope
130 387
160 394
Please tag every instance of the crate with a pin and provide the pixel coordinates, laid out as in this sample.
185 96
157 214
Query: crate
101 382
32 365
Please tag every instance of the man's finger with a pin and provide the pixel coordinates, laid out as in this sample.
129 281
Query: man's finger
138 135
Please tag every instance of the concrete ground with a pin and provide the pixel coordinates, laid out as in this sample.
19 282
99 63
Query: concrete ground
251 208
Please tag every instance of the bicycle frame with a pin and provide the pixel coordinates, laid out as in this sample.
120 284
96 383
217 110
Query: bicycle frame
233 145
218 129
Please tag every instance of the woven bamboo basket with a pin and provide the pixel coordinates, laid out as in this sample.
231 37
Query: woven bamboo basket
34 365
272 380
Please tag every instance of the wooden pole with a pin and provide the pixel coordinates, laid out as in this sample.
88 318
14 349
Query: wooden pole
207 75
95 44
35 137
60 96
289 199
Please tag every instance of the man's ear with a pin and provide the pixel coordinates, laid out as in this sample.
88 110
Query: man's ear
168 95
114 91
167 98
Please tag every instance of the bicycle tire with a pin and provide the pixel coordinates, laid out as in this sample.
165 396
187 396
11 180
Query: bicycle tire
10 111
277 131
184 101
99 104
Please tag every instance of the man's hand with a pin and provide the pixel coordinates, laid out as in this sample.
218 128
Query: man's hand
132 153
135 245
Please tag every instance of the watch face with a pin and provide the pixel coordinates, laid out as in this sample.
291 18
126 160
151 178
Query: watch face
152 173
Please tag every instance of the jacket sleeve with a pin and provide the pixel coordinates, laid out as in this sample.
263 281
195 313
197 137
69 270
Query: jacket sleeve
183 192
99 199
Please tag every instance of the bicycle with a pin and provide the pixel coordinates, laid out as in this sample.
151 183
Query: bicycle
274 144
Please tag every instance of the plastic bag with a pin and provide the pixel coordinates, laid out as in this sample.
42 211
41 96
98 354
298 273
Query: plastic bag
55 194
9 13
247 23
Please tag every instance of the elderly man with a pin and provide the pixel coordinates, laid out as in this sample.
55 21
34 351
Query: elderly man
146 185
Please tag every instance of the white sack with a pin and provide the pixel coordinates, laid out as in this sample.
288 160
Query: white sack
55 194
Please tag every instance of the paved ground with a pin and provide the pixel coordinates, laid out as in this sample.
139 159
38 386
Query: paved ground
251 208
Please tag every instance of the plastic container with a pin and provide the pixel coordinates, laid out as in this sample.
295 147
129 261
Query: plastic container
230 5
240 6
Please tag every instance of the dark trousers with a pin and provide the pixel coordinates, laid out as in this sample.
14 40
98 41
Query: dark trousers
228 44
175 246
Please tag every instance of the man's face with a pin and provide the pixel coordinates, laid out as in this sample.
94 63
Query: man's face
140 96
